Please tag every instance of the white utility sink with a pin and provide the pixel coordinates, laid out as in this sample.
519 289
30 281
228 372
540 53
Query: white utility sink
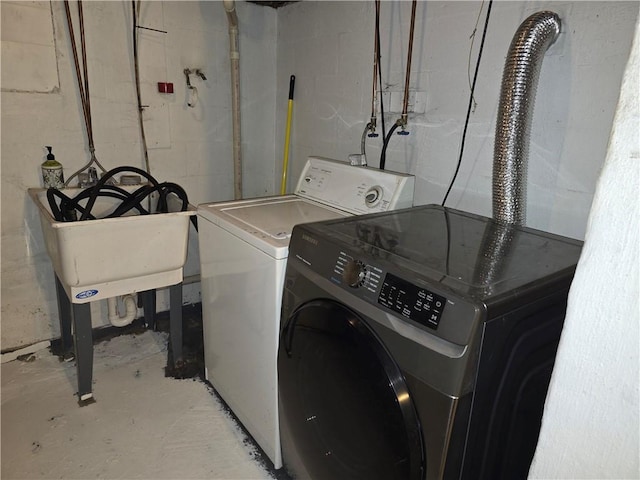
96 259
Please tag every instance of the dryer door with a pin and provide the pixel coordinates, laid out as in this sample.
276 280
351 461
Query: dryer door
345 409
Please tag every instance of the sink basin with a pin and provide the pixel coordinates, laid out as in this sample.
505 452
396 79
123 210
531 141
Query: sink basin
103 258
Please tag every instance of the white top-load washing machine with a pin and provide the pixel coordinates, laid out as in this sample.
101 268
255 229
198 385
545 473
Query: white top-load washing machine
244 246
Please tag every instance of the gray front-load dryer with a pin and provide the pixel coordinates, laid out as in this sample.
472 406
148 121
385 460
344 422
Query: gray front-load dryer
418 345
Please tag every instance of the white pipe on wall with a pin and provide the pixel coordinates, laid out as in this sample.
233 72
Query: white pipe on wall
234 55
130 314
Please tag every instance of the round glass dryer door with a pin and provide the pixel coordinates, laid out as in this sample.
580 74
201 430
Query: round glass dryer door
343 399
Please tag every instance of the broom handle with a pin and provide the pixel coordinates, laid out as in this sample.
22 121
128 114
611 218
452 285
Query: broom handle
287 137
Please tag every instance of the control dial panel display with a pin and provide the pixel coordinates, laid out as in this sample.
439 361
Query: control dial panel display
354 273
357 274
411 301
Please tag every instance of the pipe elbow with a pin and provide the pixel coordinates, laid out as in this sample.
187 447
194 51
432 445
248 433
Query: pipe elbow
229 5
130 313
232 17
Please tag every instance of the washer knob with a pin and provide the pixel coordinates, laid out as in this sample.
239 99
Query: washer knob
373 196
354 273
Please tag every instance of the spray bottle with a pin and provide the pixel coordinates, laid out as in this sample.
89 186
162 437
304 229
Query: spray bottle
52 172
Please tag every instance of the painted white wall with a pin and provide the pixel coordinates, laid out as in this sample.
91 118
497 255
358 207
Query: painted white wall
329 47
591 422
188 146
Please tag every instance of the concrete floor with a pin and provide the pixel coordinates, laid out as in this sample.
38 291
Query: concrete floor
142 426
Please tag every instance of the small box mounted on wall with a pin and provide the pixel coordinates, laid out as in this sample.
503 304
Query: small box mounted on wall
165 87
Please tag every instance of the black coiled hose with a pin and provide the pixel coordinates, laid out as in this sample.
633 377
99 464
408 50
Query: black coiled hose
69 208
383 155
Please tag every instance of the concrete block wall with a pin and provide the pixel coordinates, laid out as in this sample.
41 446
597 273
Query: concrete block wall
188 146
329 47
332 58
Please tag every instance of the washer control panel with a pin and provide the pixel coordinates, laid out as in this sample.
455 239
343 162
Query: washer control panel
354 189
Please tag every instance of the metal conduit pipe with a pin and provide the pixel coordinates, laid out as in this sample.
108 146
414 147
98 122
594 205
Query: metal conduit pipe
405 100
402 121
513 126
371 126
234 55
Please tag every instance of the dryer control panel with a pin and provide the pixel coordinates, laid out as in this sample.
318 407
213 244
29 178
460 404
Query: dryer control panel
393 291
411 301
403 297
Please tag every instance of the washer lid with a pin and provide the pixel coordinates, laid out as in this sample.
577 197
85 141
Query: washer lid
266 223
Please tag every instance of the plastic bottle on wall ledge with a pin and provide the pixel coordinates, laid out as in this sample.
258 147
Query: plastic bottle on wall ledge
52 171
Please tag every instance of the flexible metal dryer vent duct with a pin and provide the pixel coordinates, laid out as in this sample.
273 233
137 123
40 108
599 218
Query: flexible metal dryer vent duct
517 96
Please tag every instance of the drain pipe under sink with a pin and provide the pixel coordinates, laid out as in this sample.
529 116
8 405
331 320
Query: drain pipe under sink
131 310
234 55
519 82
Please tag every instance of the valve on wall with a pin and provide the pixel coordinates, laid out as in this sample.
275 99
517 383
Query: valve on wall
192 91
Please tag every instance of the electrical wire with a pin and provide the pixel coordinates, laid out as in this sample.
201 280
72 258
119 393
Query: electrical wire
471 100
472 37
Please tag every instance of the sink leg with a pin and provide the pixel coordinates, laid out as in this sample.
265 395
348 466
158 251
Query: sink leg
84 350
149 307
64 315
175 322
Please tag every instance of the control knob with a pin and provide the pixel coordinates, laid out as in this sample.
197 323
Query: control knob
373 196
354 273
